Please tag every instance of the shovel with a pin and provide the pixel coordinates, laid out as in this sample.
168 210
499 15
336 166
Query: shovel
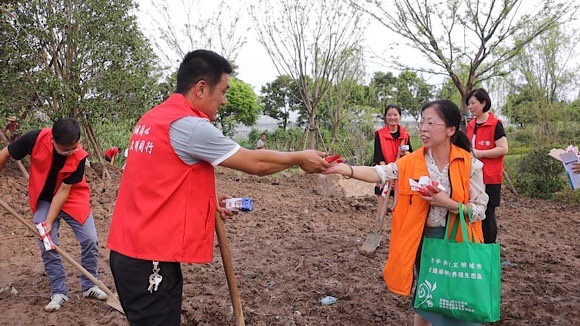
112 299
374 238
229 270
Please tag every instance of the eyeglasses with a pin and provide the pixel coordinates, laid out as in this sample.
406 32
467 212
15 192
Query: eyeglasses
66 152
427 125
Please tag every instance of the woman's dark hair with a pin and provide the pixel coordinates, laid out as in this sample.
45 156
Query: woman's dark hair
66 131
449 113
201 65
392 106
481 95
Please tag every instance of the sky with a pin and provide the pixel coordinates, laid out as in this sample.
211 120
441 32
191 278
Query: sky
256 68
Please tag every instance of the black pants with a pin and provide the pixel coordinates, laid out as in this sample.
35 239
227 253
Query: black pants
162 307
489 224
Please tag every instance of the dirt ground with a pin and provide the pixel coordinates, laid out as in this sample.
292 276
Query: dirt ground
295 248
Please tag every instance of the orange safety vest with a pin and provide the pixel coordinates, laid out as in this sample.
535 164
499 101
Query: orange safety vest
389 145
484 139
77 204
165 209
410 215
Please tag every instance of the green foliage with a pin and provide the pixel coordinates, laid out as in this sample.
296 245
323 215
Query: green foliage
242 106
519 150
117 135
568 195
382 89
412 92
72 58
538 175
408 90
280 97
281 140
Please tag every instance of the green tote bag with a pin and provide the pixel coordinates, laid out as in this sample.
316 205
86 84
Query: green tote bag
460 280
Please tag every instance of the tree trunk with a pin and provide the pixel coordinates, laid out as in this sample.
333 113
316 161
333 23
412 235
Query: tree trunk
95 148
311 136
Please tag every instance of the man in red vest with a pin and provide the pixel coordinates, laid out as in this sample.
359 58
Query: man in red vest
165 210
57 191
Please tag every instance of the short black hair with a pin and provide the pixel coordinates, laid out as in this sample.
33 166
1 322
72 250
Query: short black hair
201 65
481 95
66 131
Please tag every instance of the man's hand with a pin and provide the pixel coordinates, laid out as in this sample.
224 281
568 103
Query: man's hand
224 213
576 168
313 161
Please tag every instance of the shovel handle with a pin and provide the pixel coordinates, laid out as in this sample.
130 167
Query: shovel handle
229 269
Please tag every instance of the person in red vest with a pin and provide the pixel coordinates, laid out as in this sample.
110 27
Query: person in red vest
445 157
166 205
110 154
58 191
391 142
490 145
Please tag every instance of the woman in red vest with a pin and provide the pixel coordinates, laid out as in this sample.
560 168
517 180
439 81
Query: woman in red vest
490 145
445 157
389 143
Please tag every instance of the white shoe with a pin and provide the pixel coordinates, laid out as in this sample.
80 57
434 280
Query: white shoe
56 300
95 293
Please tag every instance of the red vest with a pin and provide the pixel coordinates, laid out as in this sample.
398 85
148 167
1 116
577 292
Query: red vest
165 209
77 203
389 145
484 139
410 215
113 151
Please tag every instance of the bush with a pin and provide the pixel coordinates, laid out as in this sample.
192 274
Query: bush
568 195
519 150
538 175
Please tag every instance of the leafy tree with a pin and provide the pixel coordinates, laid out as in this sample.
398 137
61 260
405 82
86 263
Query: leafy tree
72 58
280 97
342 96
479 33
412 92
382 88
242 106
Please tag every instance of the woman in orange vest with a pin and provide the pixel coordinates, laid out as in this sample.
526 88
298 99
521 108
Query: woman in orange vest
389 143
490 145
445 157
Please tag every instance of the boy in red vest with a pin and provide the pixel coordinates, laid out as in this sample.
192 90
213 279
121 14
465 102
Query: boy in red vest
165 210
58 191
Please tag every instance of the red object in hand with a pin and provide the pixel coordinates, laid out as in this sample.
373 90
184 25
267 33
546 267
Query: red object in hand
334 158
423 192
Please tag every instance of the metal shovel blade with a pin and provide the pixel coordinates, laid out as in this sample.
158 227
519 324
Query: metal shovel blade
373 240
371 243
